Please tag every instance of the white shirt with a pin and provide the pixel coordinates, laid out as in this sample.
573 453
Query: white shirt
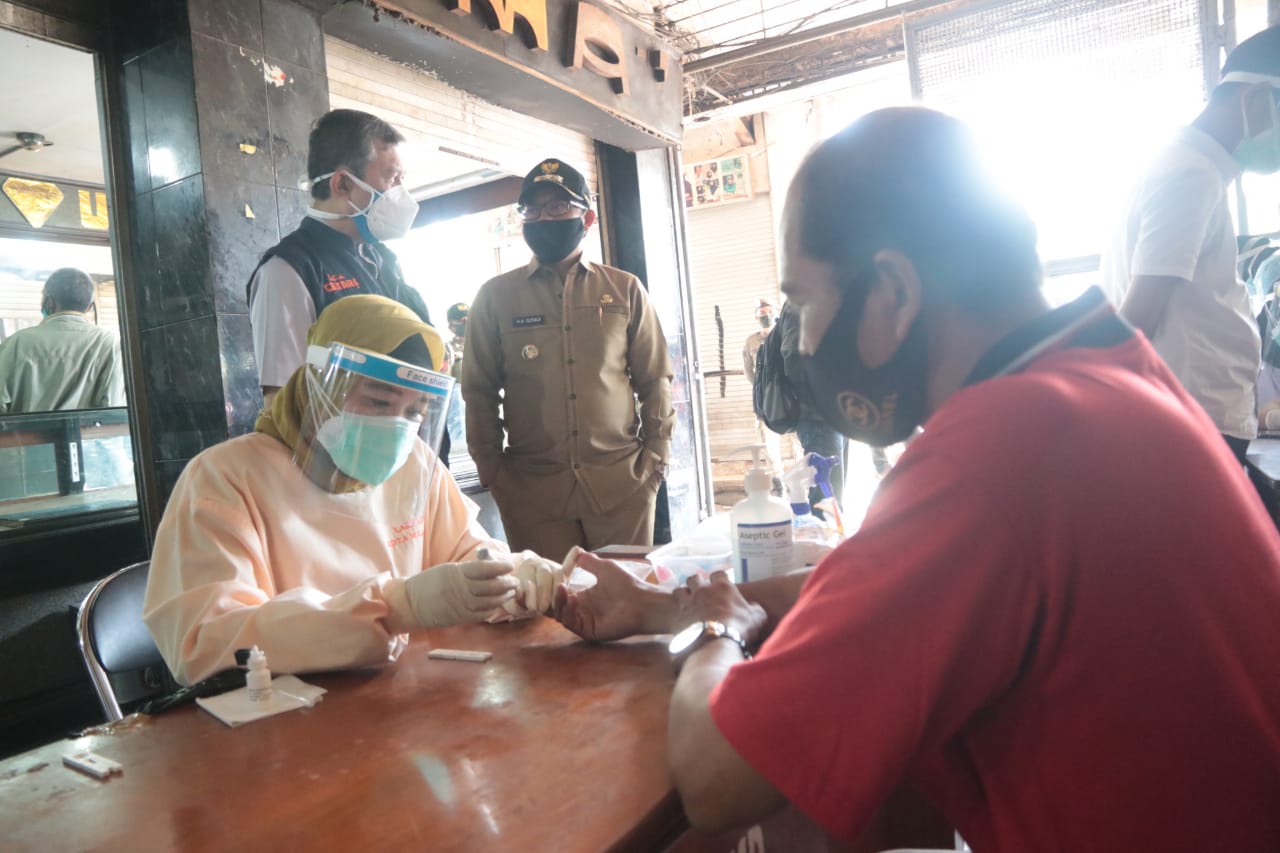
1179 225
280 323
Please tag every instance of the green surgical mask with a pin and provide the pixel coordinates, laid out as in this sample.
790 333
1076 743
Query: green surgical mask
368 448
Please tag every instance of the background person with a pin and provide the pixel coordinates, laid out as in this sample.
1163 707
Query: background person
457 317
574 354
329 532
1172 270
66 362
1034 611
766 315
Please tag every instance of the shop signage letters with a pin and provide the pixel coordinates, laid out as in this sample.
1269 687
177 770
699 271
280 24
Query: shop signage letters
597 39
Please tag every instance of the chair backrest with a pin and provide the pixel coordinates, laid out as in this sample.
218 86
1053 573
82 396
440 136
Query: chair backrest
115 642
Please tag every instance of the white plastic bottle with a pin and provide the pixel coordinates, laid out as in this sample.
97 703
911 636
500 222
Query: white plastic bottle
258 681
760 526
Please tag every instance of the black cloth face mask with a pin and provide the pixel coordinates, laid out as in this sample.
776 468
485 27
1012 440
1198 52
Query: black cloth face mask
877 407
554 240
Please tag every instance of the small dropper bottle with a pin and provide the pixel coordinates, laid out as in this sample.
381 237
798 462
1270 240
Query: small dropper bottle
258 681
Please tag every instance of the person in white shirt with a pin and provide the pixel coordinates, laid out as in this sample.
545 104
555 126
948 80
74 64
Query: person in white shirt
1173 268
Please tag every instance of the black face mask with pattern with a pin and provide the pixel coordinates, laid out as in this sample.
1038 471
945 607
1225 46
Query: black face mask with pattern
554 240
877 407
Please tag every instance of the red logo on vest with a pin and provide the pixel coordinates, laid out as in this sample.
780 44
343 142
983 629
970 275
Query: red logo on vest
338 283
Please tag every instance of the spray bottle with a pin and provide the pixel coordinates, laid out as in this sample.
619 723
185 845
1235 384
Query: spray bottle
799 480
822 466
760 525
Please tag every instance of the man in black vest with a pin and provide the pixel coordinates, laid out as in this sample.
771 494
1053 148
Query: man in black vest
358 200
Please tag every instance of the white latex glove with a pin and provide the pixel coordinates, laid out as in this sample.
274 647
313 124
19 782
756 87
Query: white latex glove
456 593
537 578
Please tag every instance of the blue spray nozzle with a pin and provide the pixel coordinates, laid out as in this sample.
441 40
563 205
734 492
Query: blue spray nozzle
822 466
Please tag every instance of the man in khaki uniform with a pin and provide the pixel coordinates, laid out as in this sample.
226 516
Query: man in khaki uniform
567 347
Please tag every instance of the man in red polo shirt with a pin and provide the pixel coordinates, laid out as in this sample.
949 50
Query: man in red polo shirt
1060 620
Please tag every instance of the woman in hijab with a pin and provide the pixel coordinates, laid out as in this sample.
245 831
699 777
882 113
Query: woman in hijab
329 532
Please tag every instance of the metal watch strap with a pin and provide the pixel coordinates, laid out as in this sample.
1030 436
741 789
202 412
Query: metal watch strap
713 630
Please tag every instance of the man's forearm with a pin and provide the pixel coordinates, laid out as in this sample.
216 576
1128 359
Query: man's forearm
717 787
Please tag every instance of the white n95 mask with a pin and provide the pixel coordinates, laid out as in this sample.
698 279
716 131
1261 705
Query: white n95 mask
388 216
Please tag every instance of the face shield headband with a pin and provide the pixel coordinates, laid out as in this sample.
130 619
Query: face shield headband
371 420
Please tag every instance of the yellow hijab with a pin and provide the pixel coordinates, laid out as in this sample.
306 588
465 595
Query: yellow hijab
373 323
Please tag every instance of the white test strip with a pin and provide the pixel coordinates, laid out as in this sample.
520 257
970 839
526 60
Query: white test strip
459 654
91 764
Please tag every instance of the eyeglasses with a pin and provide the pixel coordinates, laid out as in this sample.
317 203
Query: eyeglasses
558 209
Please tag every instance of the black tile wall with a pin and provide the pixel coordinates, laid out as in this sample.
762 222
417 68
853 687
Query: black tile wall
218 99
146 260
187 408
293 109
239 373
142 25
293 206
242 224
168 94
293 34
231 101
135 117
167 473
181 284
238 22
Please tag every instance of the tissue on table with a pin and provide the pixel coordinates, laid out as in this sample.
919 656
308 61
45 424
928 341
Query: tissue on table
288 693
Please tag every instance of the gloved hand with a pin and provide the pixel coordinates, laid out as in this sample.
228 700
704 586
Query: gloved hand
456 593
538 578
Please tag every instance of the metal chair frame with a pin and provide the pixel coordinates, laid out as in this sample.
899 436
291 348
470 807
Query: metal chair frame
97 673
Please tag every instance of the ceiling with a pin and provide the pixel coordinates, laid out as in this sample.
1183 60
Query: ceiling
706 28
49 89
736 50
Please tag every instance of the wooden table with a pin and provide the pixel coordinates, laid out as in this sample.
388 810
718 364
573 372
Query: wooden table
553 745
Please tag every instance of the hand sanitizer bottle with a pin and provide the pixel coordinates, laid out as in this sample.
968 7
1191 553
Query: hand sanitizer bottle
760 526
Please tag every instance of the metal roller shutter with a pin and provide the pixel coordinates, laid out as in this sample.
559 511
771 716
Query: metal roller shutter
732 265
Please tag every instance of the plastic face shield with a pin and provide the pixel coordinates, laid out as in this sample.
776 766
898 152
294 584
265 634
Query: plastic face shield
371 421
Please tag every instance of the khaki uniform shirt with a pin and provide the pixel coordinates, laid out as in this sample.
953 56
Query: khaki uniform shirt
567 361
66 362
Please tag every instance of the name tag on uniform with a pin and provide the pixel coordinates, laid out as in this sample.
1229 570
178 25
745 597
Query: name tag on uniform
530 320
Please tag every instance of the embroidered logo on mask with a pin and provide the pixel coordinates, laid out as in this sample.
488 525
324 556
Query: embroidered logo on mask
861 413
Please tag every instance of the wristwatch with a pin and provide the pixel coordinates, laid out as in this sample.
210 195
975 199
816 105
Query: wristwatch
698 635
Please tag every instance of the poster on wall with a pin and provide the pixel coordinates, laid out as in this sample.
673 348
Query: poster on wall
716 182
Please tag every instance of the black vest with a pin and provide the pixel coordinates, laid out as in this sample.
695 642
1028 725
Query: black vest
331 266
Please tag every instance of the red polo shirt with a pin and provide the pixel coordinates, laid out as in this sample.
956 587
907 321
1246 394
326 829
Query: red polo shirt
1060 621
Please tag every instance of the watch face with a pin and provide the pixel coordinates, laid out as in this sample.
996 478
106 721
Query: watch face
685 638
